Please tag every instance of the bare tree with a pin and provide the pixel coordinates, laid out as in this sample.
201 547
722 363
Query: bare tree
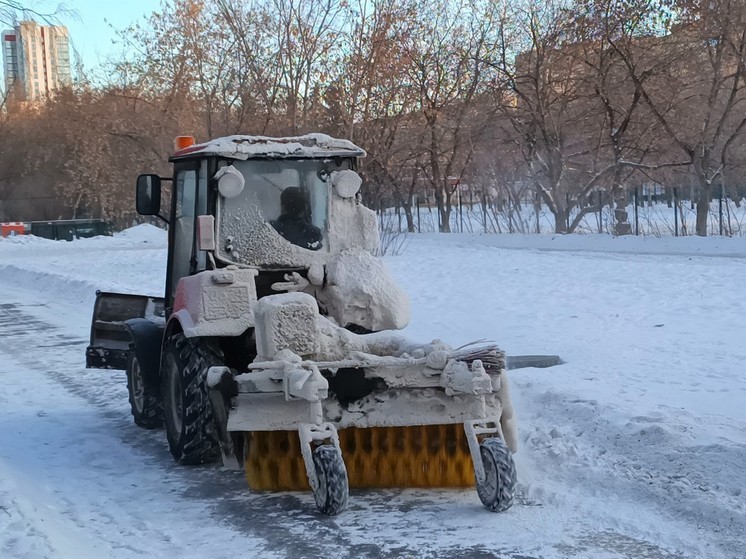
550 111
698 100
449 54
626 134
371 101
258 63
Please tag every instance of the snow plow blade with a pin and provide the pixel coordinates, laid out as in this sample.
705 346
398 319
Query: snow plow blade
417 456
110 339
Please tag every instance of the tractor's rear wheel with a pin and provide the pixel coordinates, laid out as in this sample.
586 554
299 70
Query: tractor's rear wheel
497 490
186 405
144 396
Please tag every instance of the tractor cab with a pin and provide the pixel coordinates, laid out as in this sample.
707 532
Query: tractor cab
275 205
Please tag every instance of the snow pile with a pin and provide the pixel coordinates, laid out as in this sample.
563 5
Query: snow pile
132 261
25 240
144 233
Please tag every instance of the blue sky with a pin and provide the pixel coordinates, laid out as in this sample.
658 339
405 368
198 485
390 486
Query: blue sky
91 35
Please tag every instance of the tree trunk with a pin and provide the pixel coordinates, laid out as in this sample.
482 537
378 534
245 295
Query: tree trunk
447 210
445 219
621 217
444 213
703 211
560 221
409 216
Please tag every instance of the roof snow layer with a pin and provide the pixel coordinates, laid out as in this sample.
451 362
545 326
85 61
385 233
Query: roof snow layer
251 147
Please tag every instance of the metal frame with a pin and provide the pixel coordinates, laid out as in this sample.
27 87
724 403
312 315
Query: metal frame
309 434
474 429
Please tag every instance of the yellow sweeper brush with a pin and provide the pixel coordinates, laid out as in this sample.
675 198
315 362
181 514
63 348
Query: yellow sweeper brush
375 457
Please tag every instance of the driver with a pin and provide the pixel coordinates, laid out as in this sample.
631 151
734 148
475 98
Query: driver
294 223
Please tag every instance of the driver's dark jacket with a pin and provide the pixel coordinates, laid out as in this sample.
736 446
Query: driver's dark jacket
298 231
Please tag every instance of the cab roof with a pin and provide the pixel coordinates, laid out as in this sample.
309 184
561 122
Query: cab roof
263 147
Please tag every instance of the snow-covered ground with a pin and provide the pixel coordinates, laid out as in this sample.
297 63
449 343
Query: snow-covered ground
635 448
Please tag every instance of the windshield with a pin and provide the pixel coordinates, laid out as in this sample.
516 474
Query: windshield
284 205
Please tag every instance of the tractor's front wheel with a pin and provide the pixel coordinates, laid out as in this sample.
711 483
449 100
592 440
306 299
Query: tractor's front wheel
144 396
186 405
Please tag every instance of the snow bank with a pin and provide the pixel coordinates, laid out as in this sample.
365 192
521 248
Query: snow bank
132 261
24 240
144 233
686 246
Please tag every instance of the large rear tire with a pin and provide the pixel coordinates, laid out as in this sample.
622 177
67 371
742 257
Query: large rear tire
144 396
187 412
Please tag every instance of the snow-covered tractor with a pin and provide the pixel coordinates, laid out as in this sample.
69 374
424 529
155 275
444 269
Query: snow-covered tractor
273 347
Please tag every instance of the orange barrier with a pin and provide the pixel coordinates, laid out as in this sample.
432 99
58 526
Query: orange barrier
12 228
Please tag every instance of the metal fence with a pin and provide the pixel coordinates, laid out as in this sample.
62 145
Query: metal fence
647 216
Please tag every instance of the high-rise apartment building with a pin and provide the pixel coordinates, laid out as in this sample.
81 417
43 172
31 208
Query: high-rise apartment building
11 61
36 60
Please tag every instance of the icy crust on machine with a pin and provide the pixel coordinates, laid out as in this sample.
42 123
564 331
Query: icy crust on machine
421 406
352 225
418 383
247 147
248 238
425 406
360 291
356 288
214 303
285 322
292 321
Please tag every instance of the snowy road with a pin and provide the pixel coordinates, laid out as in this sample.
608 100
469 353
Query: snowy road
633 449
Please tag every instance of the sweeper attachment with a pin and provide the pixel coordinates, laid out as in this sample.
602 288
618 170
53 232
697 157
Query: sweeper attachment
331 407
275 344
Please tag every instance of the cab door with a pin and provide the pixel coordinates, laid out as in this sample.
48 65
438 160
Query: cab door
189 199
182 229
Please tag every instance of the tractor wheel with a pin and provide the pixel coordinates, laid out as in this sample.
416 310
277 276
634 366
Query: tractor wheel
498 488
145 399
333 490
186 406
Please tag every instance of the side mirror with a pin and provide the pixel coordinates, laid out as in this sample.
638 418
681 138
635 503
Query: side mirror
148 196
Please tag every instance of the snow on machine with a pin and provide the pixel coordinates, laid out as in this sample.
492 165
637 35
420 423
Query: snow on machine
274 347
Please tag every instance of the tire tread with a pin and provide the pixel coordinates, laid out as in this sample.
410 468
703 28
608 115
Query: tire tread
151 416
198 441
